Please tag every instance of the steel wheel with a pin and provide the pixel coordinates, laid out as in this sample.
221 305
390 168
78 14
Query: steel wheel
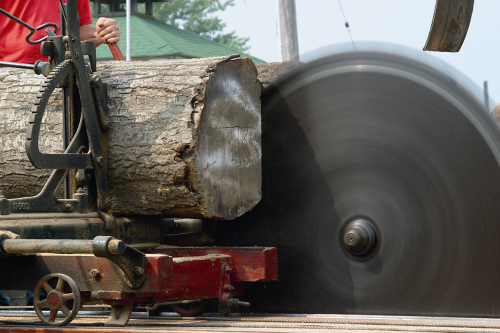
190 309
62 295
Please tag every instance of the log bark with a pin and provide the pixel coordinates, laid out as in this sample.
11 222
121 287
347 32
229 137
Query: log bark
184 138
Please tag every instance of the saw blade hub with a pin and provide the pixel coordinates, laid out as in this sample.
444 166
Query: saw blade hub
359 237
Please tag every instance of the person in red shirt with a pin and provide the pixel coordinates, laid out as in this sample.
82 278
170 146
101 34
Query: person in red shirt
13 45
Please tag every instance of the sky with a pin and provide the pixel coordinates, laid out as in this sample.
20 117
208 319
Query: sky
320 23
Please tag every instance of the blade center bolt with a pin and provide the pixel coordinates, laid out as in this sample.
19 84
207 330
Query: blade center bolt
359 237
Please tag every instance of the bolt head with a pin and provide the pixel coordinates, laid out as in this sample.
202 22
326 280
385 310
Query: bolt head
359 237
67 206
100 161
95 273
138 272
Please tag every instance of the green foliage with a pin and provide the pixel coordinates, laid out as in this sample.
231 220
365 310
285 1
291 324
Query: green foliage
198 16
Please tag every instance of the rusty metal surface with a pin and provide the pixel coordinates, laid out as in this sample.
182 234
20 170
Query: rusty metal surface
249 263
196 276
85 226
449 25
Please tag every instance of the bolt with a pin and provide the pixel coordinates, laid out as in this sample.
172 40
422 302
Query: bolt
73 40
67 206
138 272
96 273
100 161
359 237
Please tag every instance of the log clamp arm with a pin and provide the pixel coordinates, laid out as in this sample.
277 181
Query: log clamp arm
85 121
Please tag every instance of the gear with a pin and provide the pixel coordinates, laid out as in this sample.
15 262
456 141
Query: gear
399 146
51 161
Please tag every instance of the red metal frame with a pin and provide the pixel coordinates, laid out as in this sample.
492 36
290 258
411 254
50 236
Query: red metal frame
172 274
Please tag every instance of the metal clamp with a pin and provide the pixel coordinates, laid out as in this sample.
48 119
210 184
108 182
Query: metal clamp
130 260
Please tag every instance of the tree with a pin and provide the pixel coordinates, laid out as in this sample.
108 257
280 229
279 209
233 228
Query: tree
198 16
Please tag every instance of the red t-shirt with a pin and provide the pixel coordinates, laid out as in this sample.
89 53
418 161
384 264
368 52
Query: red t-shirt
13 46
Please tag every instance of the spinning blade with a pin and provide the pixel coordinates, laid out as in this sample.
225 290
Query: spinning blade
400 146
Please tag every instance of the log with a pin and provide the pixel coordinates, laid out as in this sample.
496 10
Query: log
271 72
184 138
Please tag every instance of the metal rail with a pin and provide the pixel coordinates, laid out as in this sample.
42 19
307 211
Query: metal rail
273 322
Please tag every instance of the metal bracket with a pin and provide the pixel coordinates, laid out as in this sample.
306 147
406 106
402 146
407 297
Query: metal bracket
226 301
130 260
120 315
46 201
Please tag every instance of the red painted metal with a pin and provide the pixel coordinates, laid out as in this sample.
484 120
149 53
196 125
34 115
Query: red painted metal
171 274
250 264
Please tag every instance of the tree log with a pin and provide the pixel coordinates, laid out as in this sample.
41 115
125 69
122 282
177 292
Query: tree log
270 72
184 138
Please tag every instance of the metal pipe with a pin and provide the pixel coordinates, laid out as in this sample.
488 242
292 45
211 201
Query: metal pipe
58 246
128 57
278 20
24 246
16 65
288 28
157 305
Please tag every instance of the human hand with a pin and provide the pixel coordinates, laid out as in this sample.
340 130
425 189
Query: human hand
107 31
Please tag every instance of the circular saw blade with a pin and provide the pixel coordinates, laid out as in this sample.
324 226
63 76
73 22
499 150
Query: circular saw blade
397 144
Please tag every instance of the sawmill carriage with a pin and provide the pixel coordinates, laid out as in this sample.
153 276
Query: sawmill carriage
373 176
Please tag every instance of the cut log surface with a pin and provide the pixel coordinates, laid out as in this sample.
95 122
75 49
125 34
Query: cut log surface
185 137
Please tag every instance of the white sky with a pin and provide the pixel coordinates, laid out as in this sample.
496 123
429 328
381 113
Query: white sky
407 22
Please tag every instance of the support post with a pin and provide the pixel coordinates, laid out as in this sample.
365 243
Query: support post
128 57
97 7
288 30
149 8
486 97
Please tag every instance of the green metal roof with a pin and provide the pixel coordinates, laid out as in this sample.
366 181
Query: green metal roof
153 39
